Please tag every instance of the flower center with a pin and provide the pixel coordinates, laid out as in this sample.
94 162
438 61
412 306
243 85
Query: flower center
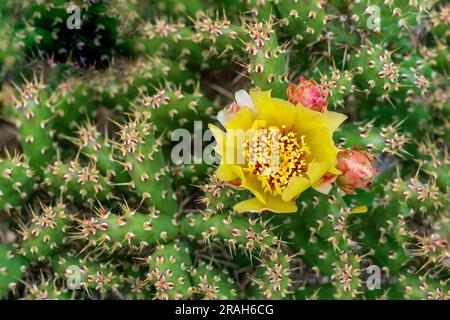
275 157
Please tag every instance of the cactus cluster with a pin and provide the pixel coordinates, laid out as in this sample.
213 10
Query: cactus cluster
92 204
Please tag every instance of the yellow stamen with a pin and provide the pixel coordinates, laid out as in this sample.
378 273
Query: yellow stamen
275 157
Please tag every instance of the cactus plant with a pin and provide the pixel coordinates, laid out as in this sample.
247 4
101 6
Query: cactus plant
339 110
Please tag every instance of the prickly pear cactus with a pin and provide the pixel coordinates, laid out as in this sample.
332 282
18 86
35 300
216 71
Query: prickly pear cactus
224 149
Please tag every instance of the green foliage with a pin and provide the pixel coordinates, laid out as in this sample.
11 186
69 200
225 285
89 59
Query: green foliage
12 268
88 190
16 182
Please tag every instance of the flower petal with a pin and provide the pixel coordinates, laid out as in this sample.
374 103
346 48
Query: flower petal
250 205
243 99
274 204
220 138
221 117
230 145
325 183
225 172
251 183
323 149
333 120
334 170
323 187
276 112
309 120
243 119
316 170
277 205
295 186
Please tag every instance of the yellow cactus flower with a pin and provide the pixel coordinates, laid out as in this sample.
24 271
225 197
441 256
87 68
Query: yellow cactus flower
276 150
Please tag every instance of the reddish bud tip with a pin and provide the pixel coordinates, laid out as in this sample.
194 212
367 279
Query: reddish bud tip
309 94
357 170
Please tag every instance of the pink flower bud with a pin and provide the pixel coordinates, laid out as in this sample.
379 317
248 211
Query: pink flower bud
309 94
357 170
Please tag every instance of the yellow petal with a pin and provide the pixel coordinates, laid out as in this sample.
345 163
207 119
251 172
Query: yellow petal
334 170
230 145
225 172
333 120
251 183
295 186
276 112
318 129
259 124
220 138
250 205
322 149
308 121
243 119
274 204
359 209
316 170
